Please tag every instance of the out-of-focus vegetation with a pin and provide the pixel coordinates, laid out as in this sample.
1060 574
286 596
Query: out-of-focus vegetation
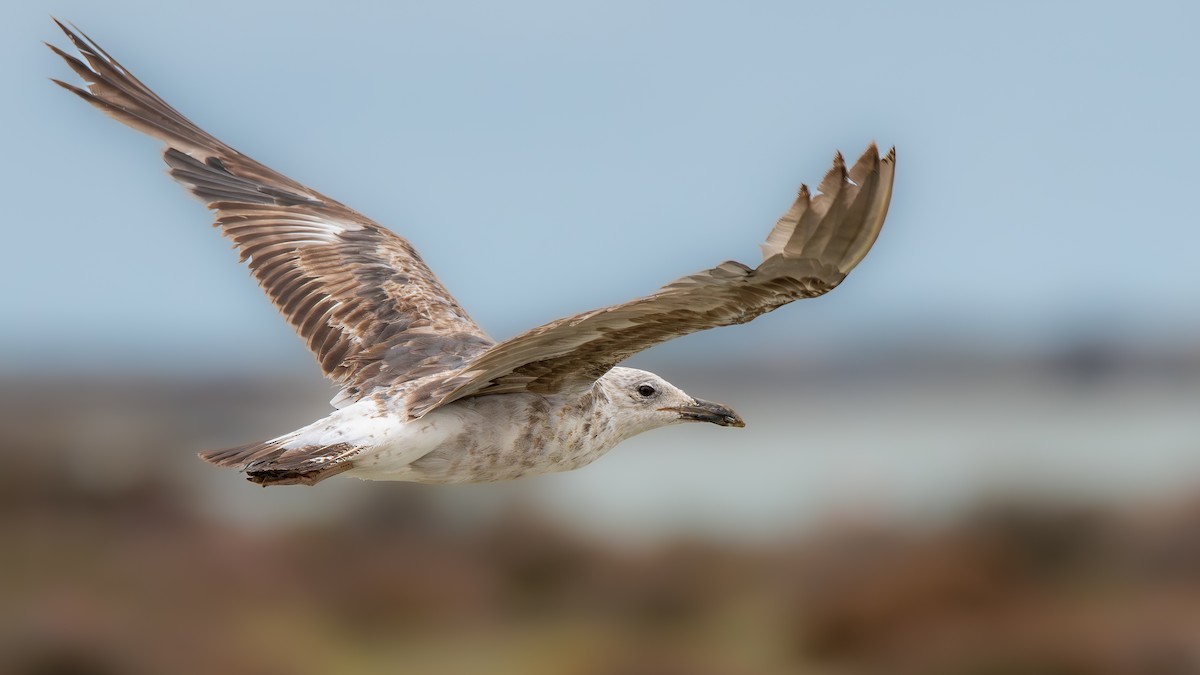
115 563
136 584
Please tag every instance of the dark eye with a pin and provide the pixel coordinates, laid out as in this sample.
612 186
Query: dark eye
646 390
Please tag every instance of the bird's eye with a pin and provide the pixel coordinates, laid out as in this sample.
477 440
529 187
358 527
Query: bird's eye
646 390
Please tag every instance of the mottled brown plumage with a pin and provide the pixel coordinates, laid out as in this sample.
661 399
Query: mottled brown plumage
426 395
360 296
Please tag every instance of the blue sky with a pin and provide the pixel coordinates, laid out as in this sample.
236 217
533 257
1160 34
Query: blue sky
549 157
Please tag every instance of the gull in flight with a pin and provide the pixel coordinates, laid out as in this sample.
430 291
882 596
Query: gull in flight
425 394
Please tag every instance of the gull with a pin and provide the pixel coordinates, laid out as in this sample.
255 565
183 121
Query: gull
426 395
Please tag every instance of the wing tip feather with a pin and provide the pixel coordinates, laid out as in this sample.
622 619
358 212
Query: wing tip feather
817 230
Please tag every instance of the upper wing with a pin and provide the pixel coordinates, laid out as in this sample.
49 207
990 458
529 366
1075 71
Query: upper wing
363 300
809 252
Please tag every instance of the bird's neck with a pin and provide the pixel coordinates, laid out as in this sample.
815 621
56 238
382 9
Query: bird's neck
587 419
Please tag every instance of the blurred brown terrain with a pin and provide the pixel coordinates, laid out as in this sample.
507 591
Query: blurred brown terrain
125 554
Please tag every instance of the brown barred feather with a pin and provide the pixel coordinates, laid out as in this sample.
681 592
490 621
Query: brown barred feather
360 296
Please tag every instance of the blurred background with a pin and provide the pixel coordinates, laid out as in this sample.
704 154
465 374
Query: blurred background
979 456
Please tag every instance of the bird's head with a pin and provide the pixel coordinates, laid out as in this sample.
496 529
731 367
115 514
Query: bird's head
645 401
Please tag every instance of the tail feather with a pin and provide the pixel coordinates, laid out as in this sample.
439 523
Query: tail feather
273 463
243 455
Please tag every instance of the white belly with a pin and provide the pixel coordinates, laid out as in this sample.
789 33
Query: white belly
406 442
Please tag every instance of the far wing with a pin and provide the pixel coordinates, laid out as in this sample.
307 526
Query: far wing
362 299
809 252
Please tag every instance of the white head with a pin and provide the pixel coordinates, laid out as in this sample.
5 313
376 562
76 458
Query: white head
645 401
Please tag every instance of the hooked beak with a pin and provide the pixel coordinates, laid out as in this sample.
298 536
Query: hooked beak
707 411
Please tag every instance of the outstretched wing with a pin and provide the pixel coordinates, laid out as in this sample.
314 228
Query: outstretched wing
810 251
361 297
